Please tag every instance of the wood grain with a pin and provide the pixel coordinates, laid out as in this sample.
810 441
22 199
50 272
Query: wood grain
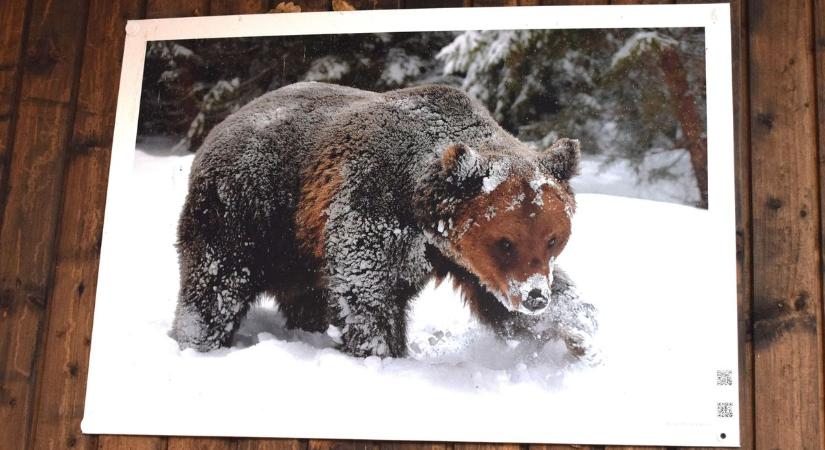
744 243
787 304
312 5
819 55
415 446
375 4
437 3
227 7
272 444
111 442
495 3
200 443
70 305
45 113
156 9
326 444
641 2
561 2
13 24
479 446
565 447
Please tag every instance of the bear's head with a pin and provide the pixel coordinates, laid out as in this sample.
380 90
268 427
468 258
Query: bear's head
506 217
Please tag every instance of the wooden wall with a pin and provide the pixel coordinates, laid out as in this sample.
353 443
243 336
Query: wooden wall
59 72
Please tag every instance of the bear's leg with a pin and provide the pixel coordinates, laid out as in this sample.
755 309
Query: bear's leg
369 281
219 276
217 289
370 324
305 310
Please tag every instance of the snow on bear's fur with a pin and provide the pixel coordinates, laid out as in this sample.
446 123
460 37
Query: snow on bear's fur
343 203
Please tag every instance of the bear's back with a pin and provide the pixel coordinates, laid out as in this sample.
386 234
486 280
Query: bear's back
292 114
284 131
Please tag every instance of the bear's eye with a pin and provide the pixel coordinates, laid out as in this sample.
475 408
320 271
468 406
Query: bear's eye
552 242
505 246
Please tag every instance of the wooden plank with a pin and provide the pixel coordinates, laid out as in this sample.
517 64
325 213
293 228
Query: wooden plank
495 3
272 444
819 54
226 7
436 3
196 443
312 5
415 446
561 2
329 444
627 447
62 386
27 234
564 447
640 2
475 446
156 9
14 19
110 442
341 444
375 4
787 291
744 244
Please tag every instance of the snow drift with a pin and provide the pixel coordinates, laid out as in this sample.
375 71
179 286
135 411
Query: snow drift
640 262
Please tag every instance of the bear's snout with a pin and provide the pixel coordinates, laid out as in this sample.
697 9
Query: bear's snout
536 301
530 296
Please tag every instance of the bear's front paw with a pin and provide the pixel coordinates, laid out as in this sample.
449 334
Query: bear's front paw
578 331
190 331
581 346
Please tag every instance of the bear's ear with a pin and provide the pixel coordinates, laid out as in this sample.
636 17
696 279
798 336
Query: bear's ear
562 158
461 163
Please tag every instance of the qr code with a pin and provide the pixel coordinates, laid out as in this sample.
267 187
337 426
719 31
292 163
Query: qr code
724 378
724 409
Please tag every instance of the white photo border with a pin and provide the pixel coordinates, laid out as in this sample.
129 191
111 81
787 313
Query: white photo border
714 18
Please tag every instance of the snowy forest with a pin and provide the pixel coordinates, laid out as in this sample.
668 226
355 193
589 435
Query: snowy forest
634 97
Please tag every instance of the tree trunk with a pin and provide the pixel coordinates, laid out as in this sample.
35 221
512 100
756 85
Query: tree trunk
688 116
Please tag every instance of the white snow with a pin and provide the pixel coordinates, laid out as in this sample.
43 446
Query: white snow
473 52
328 68
399 67
641 42
643 264
676 182
498 173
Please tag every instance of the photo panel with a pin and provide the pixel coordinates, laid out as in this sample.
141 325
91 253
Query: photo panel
481 225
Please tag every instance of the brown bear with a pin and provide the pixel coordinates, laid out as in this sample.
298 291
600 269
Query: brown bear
343 203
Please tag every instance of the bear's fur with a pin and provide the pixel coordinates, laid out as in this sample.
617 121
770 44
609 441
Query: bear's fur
343 203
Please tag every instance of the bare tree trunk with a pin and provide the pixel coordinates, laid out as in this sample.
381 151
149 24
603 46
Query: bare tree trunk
688 116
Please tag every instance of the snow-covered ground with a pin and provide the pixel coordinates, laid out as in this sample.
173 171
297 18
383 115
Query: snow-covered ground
664 175
647 266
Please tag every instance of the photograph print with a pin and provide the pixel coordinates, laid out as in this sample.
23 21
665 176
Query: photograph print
479 232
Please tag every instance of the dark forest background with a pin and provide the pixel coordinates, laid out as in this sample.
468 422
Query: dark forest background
634 97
